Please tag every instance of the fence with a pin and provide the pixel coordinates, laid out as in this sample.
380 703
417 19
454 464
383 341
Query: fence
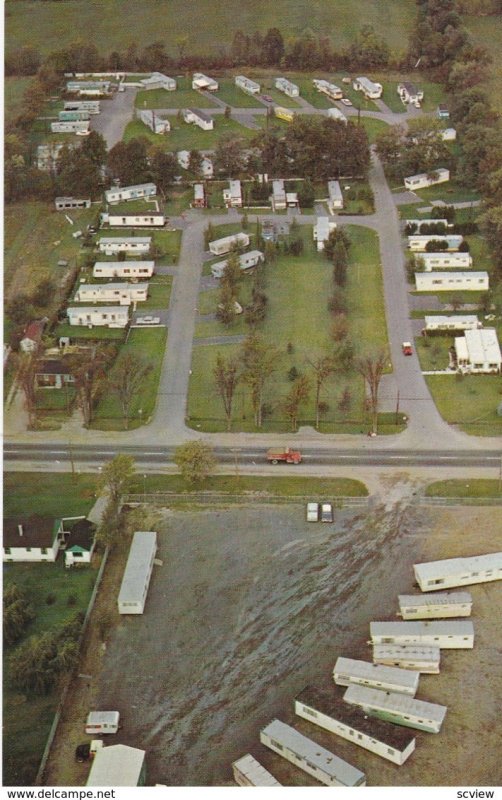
166 498
459 501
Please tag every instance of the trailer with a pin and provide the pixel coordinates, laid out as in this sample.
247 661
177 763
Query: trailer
310 756
118 765
284 113
249 772
137 574
348 671
435 606
452 634
421 658
220 246
451 572
397 708
102 722
326 709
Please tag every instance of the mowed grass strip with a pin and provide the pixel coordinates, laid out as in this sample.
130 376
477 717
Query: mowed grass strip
233 96
288 486
473 487
470 402
183 136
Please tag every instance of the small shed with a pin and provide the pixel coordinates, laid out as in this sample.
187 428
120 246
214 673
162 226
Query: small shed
99 722
138 571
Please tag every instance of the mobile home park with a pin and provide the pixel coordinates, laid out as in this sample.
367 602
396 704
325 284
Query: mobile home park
397 708
421 658
451 572
452 634
348 671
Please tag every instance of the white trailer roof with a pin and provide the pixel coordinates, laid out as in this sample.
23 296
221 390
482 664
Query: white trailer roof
143 548
415 627
455 322
483 346
368 671
253 770
98 309
103 717
414 652
434 599
120 265
116 765
125 240
402 703
453 567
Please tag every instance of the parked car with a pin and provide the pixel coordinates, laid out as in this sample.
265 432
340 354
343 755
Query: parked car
327 512
346 101
267 98
147 320
312 512
407 348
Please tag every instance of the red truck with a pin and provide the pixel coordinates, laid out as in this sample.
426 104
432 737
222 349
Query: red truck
286 455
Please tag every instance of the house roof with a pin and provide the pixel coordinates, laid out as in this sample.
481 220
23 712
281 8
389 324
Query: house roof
37 531
34 330
52 366
82 535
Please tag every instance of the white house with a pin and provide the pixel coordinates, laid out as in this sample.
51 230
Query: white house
370 89
278 195
64 203
158 81
122 293
392 679
92 106
133 219
154 121
452 634
425 179
246 261
118 765
418 242
329 89
200 81
445 260
435 605
232 197
124 244
452 323
327 710
32 538
104 316
126 193
335 113
80 543
451 572
397 708
195 117
409 93
199 196
138 571
80 127
290 89
249 772
322 230
221 246
422 658
123 269
451 281
478 352
247 85
335 197
32 335
310 756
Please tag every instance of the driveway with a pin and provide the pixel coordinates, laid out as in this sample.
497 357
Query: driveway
115 114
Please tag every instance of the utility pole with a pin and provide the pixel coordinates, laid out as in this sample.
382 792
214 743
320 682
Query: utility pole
397 407
72 462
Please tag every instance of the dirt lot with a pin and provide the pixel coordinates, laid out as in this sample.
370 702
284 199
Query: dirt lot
252 604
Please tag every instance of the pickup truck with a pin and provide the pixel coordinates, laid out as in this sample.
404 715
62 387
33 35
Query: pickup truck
286 455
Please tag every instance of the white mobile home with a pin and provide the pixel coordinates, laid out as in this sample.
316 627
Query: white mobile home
478 352
417 657
425 179
122 293
126 193
246 261
448 135
118 765
64 203
221 246
249 772
158 81
455 322
310 756
329 89
409 93
124 244
290 89
435 605
322 230
92 106
99 722
418 243
335 113
183 157
154 121
88 87
103 316
335 198
80 127
73 116
232 197
451 572
397 708
348 671
138 571
327 710
451 281
453 634
195 117
434 261
199 196
370 89
123 269
134 219
278 195
247 85
200 81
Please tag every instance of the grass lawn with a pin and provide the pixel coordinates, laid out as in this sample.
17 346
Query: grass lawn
373 127
169 242
355 199
230 94
450 192
469 402
474 487
183 136
433 92
149 344
266 485
309 93
159 293
51 494
432 351
183 97
14 89
99 334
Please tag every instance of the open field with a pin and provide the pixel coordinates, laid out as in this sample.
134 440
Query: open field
183 97
487 32
474 487
51 25
470 402
183 136
14 89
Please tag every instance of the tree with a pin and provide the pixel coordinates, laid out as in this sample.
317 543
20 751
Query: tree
195 162
20 309
116 476
226 376
226 310
17 613
94 148
229 155
163 168
299 394
128 162
306 194
323 367
336 235
89 373
368 50
26 370
126 380
77 174
272 49
195 460
44 292
340 263
259 362
371 367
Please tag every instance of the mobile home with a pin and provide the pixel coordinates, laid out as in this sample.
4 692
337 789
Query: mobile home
195 117
123 269
443 260
397 708
335 113
221 246
249 772
232 196
309 756
99 722
247 85
150 219
329 89
73 116
455 322
335 198
92 106
278 195
435 605
154 121
370 89
80 127
348 671
126 193
425 179
418 243
102 316
448 134
138 571
158 81
478 352
118 765
65 203
451 281
122 293
413 656
246 261
330 712
200 81
453 634
290 89
451 572
199 196
124 244
322 230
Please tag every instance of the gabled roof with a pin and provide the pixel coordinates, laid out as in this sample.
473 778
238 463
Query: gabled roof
34 330
52 366
81 535
37 531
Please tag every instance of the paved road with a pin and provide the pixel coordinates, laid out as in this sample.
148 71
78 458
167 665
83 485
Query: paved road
115 114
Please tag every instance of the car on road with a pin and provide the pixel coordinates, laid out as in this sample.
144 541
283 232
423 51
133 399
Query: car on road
327 512
267 98
346 101
147 320
312 512
407 348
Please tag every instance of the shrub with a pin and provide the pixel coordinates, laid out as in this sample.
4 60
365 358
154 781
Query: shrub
50 599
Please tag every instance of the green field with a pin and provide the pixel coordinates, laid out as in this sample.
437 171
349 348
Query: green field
487 32
470 402
474 487
114 24
183 97
159 293
285 485
233 96
14 89
183 136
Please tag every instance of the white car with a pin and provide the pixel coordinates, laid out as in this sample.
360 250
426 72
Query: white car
327 512
147 320
312 512
346 101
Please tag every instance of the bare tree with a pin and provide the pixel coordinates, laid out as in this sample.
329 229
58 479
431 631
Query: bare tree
89 374
299 394
128 376
259 360
26 367
226 376
372 367
323 367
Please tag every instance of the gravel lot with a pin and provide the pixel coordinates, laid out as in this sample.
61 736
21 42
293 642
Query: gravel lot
251 604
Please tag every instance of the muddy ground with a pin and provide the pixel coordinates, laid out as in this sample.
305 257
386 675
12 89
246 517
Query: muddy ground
251 604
